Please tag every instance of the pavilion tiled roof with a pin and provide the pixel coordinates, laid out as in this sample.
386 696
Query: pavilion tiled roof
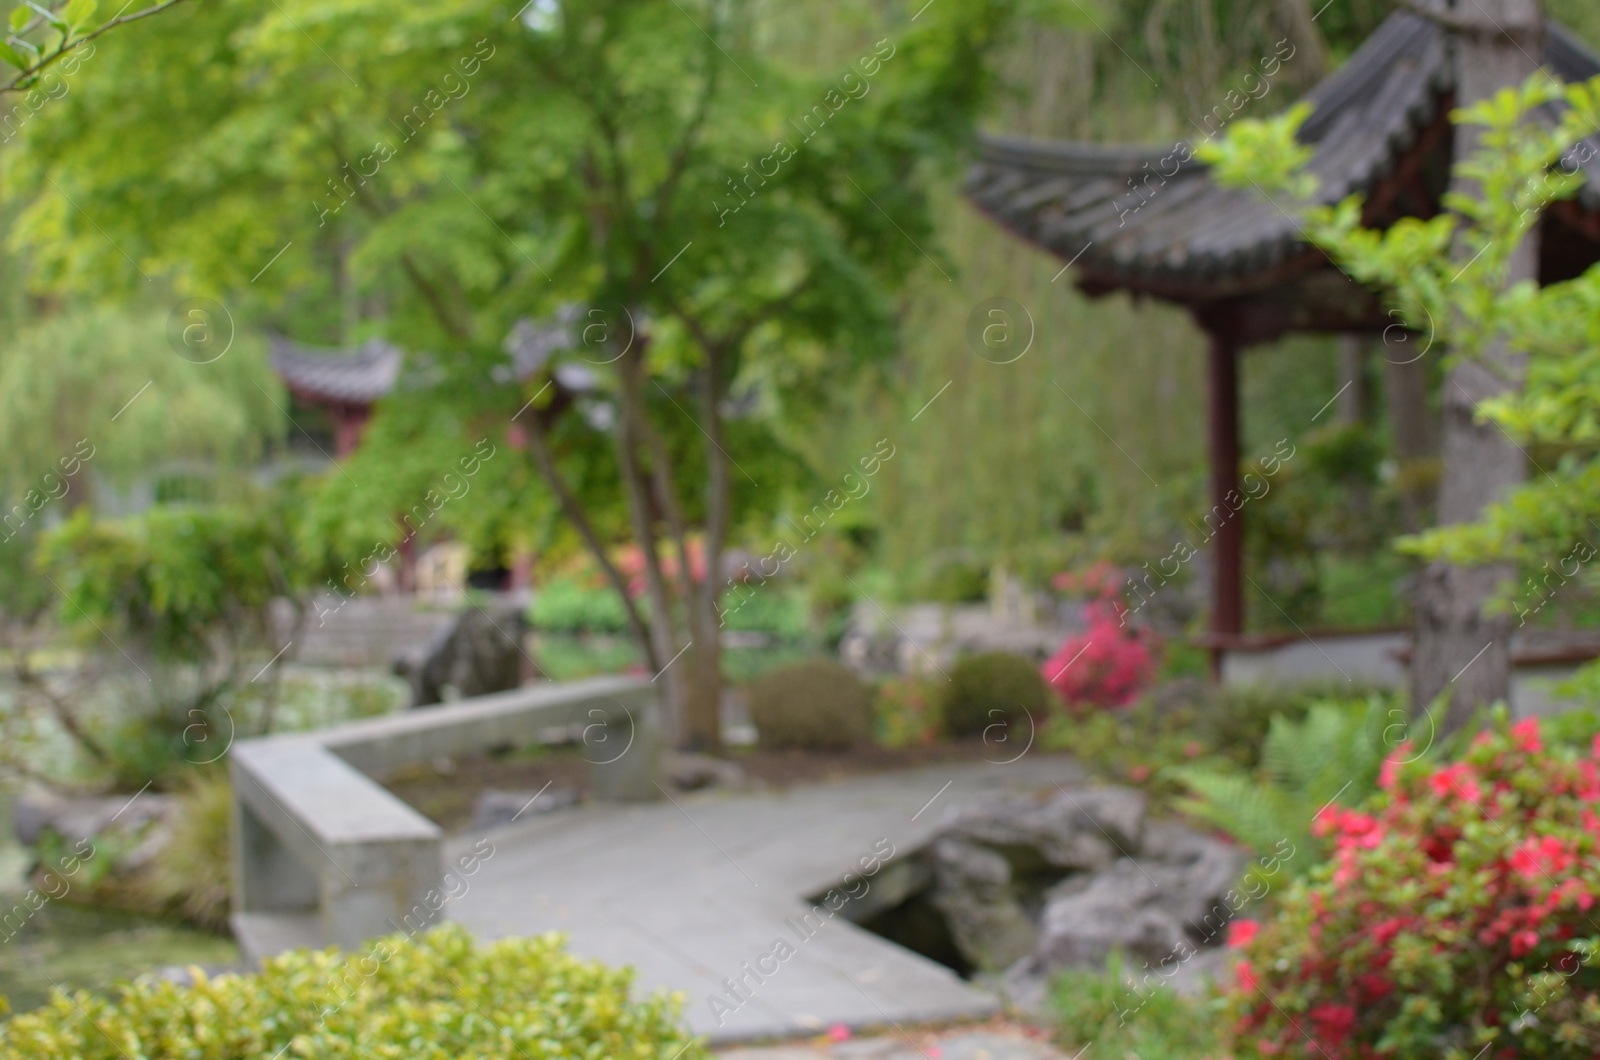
1141 216
363 374
356 377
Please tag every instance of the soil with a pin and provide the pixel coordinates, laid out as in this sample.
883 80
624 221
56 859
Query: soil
445 791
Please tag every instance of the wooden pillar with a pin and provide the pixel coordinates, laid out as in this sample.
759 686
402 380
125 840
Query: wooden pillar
1227 585
350 421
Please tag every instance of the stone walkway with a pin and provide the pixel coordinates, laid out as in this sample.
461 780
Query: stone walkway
708 895
956 1045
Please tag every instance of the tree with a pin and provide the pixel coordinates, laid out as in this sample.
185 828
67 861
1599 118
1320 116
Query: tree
729 225
100 395
1462 648
1530 349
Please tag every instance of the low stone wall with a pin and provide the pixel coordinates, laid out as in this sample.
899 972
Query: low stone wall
324 854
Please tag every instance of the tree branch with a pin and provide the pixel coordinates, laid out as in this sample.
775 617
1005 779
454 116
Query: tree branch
572 508
27 75
430 294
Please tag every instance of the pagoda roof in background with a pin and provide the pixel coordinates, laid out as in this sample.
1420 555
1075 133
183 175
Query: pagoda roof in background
361 375
356 376
1378 126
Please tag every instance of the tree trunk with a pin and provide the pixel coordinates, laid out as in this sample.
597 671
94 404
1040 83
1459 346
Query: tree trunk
636 490
1416 436
1461 653
705 721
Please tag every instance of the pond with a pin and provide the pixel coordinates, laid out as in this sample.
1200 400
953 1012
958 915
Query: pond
81 947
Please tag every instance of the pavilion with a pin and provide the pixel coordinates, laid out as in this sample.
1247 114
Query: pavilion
1150 221
345 385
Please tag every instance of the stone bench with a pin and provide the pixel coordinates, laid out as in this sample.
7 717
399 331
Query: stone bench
323 854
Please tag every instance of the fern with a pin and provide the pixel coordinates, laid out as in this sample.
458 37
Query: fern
1333 754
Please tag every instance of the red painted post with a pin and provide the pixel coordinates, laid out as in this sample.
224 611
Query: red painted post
1227 587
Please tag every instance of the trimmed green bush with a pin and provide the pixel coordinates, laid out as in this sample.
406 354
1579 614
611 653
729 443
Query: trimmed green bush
440 996
817 704
993 688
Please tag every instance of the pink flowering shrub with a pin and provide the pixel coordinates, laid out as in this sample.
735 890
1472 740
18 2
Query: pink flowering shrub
1108 664
1455 919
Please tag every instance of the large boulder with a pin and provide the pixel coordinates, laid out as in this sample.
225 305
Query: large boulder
1073 831
1038 885
478 653
973 889
1160 910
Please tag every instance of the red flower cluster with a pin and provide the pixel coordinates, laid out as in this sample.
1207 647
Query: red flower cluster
1109 663
1455 909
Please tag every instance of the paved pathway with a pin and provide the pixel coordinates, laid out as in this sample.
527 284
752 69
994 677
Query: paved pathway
704 889
957 1045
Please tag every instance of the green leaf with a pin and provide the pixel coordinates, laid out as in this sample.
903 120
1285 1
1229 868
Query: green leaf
48 15
10 55
19 18
79 12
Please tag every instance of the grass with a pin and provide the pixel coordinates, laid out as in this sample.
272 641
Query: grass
1157 1024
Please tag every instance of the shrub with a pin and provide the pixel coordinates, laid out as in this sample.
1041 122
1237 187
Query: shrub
434 997
1453 920
907 711
817 704
993 688
1109 663
568 605
192 873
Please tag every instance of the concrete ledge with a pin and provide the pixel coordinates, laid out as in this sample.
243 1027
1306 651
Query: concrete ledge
317 841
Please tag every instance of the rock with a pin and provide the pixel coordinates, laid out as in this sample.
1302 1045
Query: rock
972 888
478 653
1197 872
1083 830
1206 966
689 771
1037 885
493 808
1120 909
77 817
1159 909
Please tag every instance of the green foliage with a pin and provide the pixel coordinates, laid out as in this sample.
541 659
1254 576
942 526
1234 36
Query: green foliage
907 711
566 604
1333 753
818 704
64 379
192 874
569 604
1453 920
575 159
993 688
1101 1008
1181 724
434 997
778 612
170 578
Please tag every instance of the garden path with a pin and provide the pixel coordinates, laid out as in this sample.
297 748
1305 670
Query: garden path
690 890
